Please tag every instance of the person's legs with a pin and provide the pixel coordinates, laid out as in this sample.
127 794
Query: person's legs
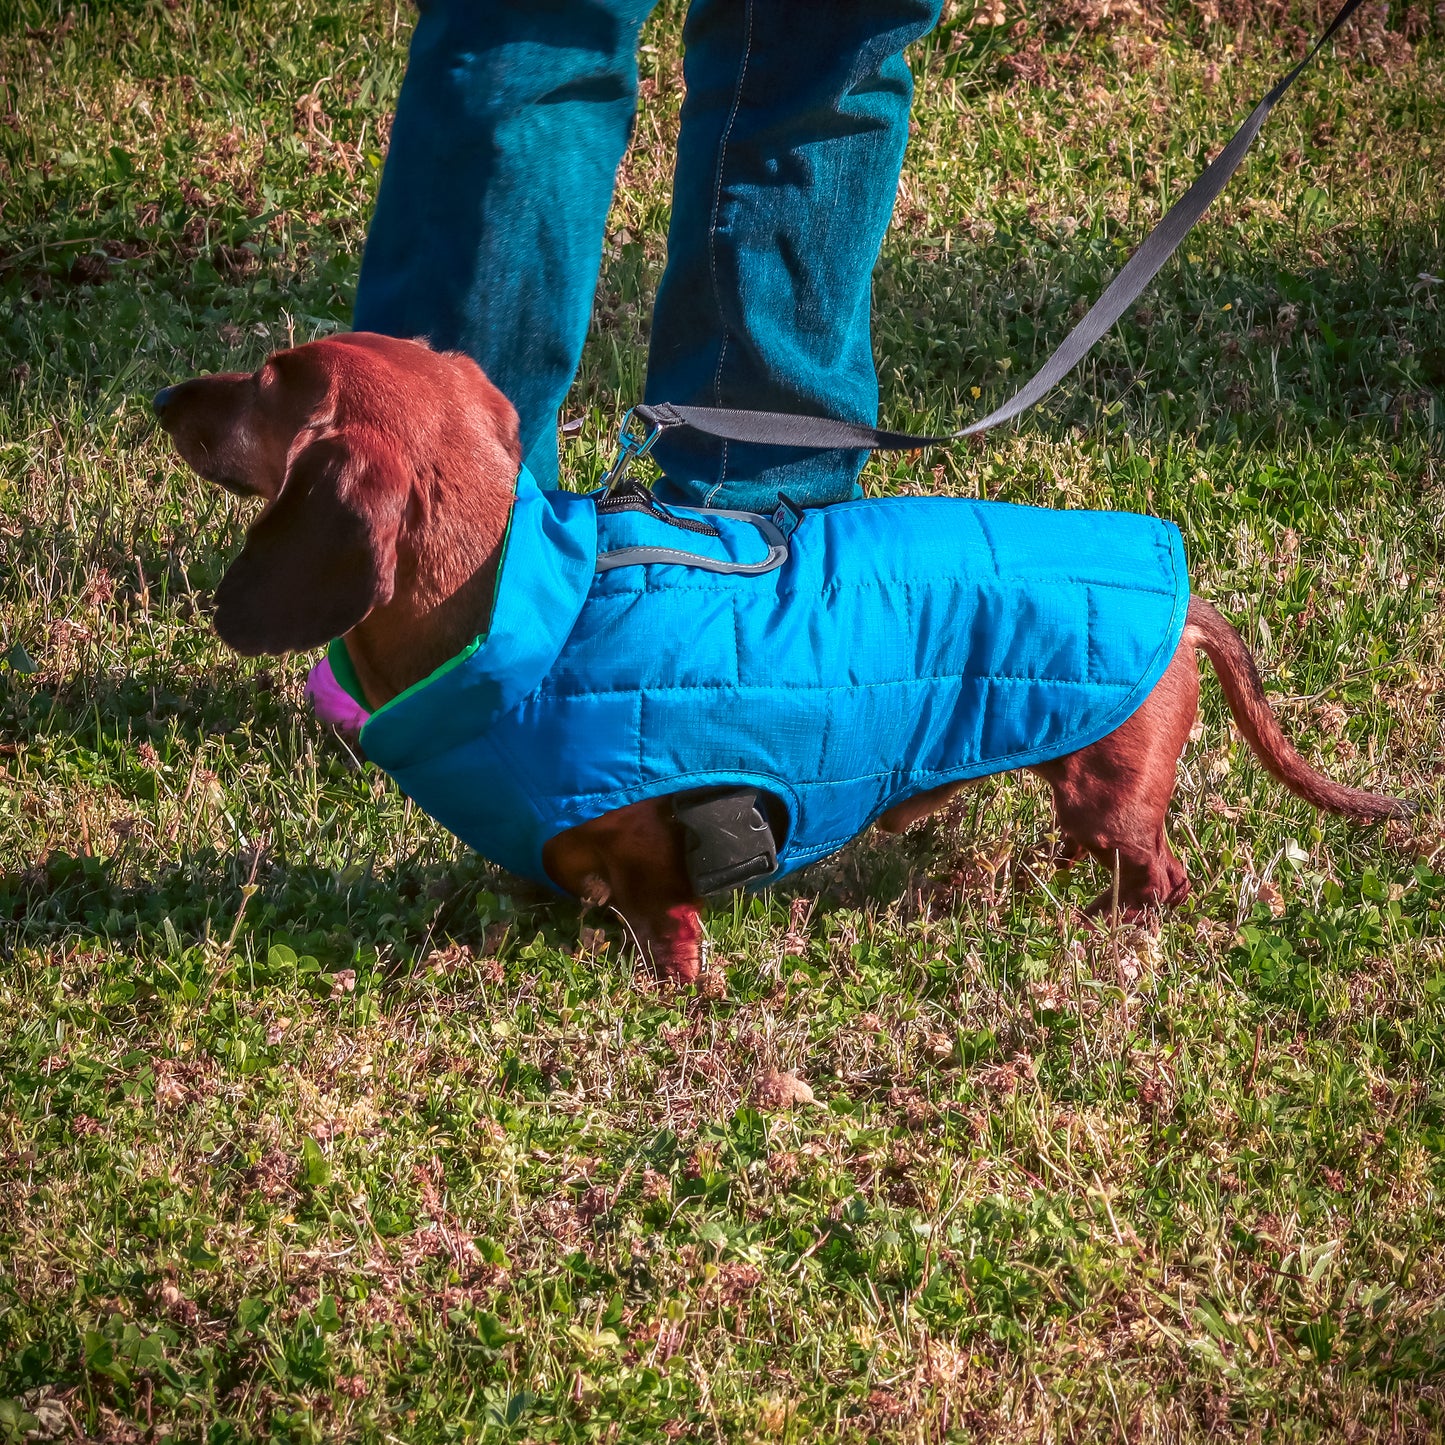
793 134
487 234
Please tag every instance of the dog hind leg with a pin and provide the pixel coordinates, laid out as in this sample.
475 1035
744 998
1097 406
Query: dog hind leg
1111 798
905 814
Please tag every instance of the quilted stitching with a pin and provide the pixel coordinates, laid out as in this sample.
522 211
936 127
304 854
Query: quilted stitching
871 666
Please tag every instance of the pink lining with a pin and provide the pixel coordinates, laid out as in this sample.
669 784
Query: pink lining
332 702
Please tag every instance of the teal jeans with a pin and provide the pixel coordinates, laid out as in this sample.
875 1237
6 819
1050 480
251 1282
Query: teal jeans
488 230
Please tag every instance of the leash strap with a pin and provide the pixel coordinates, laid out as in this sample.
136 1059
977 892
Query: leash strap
774 428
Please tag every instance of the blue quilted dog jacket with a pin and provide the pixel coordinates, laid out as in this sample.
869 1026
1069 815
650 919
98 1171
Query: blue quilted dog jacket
872 651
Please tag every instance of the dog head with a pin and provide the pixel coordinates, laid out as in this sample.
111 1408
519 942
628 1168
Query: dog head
347 440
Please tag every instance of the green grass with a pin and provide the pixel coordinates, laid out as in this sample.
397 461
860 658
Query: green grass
314 1126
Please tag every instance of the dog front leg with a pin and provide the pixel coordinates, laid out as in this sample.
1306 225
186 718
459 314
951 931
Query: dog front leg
632 860
669 938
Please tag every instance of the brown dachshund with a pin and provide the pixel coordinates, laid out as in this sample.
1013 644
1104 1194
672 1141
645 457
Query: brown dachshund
388 471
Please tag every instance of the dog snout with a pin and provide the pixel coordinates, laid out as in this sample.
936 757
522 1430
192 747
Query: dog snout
161 401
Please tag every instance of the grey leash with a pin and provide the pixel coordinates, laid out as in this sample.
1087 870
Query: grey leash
773 428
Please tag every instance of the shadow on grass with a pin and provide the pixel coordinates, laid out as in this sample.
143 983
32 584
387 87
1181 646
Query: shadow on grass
247 902
1254 350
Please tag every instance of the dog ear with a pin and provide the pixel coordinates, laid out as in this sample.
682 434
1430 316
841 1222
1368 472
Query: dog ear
320 557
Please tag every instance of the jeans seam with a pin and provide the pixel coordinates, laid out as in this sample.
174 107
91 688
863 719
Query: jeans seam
712 229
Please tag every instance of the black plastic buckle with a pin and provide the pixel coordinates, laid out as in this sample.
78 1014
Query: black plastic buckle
729 842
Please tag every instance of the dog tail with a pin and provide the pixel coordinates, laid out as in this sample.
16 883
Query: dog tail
1208 629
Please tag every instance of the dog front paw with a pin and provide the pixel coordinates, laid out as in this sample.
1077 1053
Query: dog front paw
671 940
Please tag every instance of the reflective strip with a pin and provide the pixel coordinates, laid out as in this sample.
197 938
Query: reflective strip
777 545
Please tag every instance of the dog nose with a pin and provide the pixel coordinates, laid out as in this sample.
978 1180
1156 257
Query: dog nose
161 400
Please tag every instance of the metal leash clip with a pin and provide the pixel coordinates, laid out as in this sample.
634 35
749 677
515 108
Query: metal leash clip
629 449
